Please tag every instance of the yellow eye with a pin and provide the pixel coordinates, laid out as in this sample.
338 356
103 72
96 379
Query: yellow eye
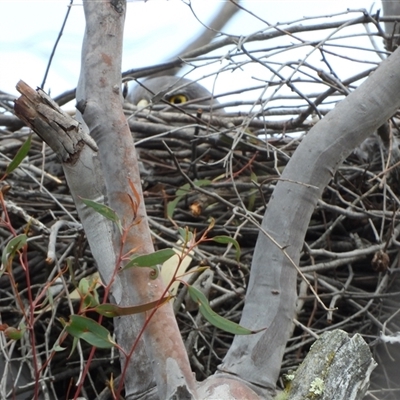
178 99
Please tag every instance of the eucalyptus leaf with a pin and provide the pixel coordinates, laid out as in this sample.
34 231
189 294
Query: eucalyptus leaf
11 249
81 327
19 157
151 260
212 317
228 240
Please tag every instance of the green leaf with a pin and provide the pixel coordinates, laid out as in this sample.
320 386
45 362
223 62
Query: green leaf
21 154
58 348
14 333
212 317
183 191
104 210
227 239
151 260
202 182
253 193
81 327
87 291
253 177
185 234
84 286
74 346
112 310
108 310
90 301
11 249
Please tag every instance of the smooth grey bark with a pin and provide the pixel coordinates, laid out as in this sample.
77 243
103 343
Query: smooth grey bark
392 29
78 153
271 293
107 170
257 359
82 169
386 375
139 377
160 360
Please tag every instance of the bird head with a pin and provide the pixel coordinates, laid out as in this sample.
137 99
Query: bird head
171 89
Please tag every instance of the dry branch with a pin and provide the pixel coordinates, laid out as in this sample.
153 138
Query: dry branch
357 217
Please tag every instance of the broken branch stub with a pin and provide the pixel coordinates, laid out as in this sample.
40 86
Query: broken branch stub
54 126
336 367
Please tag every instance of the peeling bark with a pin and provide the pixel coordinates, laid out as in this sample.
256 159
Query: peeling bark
336 367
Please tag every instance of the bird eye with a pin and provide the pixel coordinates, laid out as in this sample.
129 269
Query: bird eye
178 99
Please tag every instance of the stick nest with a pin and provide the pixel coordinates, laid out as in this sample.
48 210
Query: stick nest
218 169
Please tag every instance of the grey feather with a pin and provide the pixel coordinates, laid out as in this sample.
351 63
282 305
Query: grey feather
165 87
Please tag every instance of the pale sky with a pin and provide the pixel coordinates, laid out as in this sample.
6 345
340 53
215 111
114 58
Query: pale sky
155 30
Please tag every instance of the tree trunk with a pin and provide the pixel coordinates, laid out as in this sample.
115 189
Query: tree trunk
257 359
160 358
392 29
